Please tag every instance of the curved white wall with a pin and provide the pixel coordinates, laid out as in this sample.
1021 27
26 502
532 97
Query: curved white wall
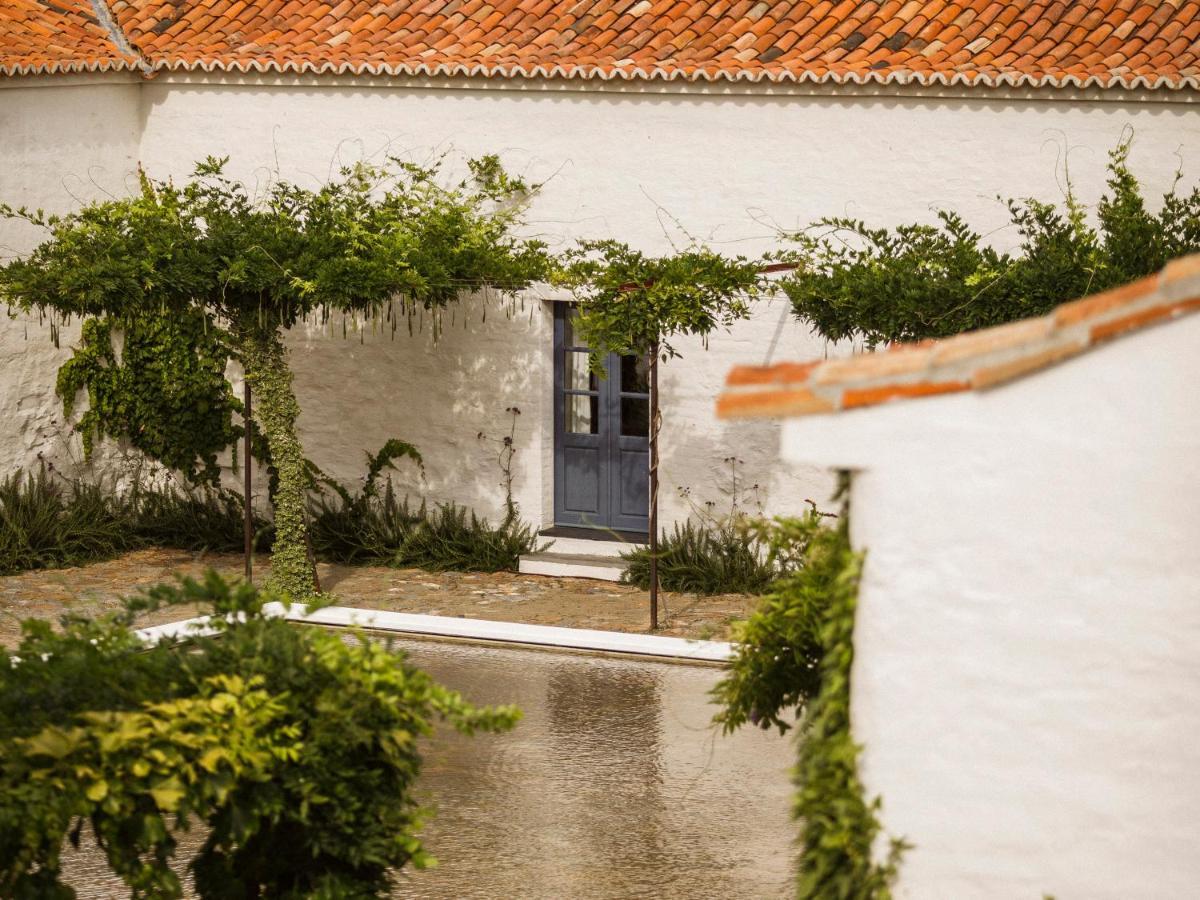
640 165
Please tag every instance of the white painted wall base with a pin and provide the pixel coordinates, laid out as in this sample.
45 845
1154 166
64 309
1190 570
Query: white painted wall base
477 630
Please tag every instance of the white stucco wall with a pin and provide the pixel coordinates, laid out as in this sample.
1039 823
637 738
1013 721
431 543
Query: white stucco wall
1027 649
59 146
728 167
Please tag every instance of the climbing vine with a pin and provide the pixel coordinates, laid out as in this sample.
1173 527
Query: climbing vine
166 395
924 281
630 303
793 662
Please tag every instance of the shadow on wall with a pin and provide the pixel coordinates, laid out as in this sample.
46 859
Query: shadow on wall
358 391
698 476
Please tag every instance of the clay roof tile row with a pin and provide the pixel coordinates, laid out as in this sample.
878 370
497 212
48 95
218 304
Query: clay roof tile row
1083 43
58 37
977 360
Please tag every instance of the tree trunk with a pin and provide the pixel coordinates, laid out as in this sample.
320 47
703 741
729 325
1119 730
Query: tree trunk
265 359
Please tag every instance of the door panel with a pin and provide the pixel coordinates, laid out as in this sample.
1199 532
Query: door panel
581 481
601 444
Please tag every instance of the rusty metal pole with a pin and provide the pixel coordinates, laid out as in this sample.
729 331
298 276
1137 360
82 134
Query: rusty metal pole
248 526
654 422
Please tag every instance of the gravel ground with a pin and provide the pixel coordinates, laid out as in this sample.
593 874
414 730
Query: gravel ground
501 596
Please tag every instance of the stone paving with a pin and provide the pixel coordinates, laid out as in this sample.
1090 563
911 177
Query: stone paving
502 596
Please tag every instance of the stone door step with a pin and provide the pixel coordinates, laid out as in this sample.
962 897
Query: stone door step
573 565
573 546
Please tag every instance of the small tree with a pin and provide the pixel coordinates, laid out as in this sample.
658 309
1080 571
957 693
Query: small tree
379 241
634 305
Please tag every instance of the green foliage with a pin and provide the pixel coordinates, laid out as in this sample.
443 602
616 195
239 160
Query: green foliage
795 655
204 519
367 526
716 558
267 258
294 749
255 263
630 303
47 523
776 668
371 526
167 396
838 824
922 281
44 526
451 538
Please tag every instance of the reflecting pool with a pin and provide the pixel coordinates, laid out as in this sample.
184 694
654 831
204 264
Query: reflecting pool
613 785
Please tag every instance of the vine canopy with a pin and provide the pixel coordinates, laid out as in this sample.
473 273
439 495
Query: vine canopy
629 303
355 244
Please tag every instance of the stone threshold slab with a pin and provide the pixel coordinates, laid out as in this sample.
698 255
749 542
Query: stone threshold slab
483 631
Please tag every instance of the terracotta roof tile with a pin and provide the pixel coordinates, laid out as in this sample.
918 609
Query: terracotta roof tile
58 37
976 360
1135 43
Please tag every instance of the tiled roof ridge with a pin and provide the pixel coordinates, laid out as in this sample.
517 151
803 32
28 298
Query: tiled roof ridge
1019 44
61 38
976 360
106 19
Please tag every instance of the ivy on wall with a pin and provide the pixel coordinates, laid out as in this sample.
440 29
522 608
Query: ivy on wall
630 303
166 394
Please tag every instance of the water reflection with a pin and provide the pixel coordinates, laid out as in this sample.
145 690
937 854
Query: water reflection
612 786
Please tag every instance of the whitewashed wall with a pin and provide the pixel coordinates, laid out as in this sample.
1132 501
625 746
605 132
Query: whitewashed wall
642 165
1026 666
59 146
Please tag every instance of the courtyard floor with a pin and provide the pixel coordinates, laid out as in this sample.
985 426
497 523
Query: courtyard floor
501 596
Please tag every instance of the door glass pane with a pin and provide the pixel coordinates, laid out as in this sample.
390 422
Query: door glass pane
570 338
582 414
576 376
635 417
635 375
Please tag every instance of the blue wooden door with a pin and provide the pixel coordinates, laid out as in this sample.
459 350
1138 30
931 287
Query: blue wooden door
601 435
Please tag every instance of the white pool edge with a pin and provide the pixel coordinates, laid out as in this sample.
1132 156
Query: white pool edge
484 631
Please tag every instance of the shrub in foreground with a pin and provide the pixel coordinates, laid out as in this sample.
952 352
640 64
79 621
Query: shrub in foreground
295 751
792 665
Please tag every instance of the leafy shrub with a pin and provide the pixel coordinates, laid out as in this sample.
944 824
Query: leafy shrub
924 281
208 519
452 538
364 527
717 558
294 749
794 655
44 525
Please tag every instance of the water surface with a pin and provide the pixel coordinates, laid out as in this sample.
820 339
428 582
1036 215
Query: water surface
613 785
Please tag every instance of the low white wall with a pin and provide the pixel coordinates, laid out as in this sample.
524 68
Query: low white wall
1027 650
640 164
